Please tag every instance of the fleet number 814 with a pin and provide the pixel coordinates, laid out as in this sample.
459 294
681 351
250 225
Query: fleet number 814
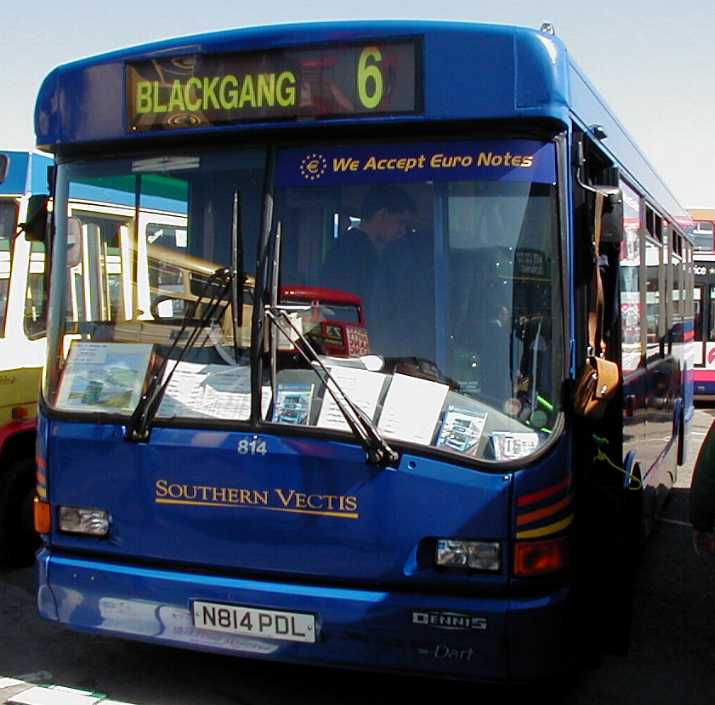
253 446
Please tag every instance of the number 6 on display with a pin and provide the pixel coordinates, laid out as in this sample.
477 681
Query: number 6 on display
370 76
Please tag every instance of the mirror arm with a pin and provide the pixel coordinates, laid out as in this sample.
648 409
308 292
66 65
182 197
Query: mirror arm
35 227
606 191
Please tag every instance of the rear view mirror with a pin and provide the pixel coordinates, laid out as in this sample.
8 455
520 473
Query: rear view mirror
74 242
611 214
4 162
35 227
612 219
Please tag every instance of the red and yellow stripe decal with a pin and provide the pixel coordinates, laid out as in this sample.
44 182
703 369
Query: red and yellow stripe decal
528 516
41 478
546 530
548 511
547 492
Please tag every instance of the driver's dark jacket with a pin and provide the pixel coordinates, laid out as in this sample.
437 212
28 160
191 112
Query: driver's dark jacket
702 487
350 265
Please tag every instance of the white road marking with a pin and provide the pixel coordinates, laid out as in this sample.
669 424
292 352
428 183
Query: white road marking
674 522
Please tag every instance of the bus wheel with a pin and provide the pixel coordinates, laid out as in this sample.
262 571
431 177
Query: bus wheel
18 540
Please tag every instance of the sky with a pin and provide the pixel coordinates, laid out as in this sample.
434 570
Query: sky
653 61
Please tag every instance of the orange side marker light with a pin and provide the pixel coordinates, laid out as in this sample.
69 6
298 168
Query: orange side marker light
43 517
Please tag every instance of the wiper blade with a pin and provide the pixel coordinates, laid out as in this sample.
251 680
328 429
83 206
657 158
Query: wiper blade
139 425
236 272
377 450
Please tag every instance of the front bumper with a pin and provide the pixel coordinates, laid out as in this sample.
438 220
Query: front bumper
371 629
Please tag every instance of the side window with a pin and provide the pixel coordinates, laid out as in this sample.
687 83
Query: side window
703 235
35 318
169 280
655 284
8 223
630 272
99 242
678 292
688 280
698 303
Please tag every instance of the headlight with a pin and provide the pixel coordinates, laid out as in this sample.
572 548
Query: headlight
475 555
82 520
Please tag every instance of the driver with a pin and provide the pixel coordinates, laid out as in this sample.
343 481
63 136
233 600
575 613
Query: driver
354 262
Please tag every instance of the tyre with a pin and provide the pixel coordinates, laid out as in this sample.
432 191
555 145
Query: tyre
18 540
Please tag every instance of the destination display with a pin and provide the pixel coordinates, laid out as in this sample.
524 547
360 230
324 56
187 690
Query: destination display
205 90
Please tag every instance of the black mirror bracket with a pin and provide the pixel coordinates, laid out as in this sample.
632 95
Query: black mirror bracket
612 214
35 227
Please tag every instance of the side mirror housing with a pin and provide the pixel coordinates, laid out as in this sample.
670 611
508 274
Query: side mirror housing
612 220
35 227
612 214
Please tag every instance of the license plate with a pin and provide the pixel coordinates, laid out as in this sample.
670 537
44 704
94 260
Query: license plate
251 621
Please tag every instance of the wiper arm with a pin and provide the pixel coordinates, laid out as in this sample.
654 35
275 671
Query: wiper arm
237 275
139 425
377 450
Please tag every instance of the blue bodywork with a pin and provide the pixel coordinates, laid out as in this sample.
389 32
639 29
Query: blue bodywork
471 72
363 574
26 173
283 544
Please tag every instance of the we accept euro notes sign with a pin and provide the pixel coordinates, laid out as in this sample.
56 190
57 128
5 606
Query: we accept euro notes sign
508 160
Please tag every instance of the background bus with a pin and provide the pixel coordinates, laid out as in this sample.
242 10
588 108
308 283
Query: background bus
704 368
100 232
22 350
434 506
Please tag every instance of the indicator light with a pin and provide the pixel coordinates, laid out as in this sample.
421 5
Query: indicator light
540 557
43 516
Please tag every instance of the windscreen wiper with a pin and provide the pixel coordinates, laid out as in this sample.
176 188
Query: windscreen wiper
377 450
236 272
139 425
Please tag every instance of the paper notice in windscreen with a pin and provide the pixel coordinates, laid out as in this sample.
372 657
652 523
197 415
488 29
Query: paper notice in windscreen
361 387
510 446
216 391
103 377
90 353
412 408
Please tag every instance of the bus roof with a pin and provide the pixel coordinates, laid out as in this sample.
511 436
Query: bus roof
702 213
26 173
462 75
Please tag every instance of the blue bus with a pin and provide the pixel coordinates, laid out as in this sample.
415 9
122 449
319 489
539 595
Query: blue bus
390 475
